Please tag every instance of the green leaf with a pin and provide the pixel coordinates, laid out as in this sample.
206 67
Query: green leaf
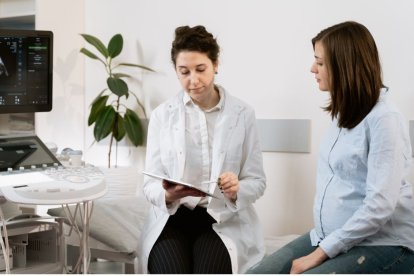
99 96
88 53
104 123
136 65
96 108
121 75
133 128
97 43
119 129
115 45
117 86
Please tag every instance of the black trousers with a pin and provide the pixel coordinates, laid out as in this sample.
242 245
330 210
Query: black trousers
188 244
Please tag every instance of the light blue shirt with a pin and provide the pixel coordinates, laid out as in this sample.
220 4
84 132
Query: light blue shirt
363 197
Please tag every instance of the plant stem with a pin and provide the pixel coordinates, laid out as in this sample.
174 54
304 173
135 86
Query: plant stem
115 125
116 154
110 148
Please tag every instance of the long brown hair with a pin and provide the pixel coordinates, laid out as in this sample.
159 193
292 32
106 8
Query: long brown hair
355 77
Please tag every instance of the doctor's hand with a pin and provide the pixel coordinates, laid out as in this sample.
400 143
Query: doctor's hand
174 191
229 185
309 261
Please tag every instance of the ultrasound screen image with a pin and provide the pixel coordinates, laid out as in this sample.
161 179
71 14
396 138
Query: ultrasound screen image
25 71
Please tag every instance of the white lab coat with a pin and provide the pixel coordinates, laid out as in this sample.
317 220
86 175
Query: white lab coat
235 148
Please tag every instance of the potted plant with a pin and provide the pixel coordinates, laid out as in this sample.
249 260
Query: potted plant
109 112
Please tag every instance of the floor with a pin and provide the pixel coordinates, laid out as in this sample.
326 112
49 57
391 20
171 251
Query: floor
106 267
100 267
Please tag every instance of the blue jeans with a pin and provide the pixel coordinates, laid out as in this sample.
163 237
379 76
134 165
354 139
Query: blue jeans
359 259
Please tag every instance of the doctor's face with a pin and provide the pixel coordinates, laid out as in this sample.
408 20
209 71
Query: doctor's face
196 74
320 69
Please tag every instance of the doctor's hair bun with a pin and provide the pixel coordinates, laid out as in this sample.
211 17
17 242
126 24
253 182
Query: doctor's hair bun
197 39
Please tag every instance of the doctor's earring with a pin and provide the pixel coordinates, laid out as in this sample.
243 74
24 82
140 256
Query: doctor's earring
216 72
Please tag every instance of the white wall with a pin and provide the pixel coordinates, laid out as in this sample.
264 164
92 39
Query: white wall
265 60
65 124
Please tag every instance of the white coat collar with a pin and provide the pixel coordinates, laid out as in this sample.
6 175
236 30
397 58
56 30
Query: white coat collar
226 122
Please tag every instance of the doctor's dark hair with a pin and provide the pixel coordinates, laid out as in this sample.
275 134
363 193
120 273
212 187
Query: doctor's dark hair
197 39
354 70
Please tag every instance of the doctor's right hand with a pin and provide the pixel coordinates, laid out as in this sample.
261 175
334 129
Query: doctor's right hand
174 191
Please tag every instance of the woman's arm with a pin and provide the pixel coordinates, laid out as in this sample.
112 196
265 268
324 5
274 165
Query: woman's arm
152 188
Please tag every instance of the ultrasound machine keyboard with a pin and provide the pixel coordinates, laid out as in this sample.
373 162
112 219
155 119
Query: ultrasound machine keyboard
53 185
75 175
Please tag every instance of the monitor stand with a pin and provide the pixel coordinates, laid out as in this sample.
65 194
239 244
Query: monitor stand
17 124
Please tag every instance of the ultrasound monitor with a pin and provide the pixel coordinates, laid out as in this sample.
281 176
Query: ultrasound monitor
26 71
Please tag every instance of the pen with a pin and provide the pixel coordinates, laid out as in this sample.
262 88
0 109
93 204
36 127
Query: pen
209 182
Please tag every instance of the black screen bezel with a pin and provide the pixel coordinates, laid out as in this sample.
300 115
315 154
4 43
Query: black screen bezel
29 108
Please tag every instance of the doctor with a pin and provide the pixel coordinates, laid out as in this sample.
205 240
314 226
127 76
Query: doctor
203 134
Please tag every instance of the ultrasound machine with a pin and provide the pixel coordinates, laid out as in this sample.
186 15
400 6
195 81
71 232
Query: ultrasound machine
29 172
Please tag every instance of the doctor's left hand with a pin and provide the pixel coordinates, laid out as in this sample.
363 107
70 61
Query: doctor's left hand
229 185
